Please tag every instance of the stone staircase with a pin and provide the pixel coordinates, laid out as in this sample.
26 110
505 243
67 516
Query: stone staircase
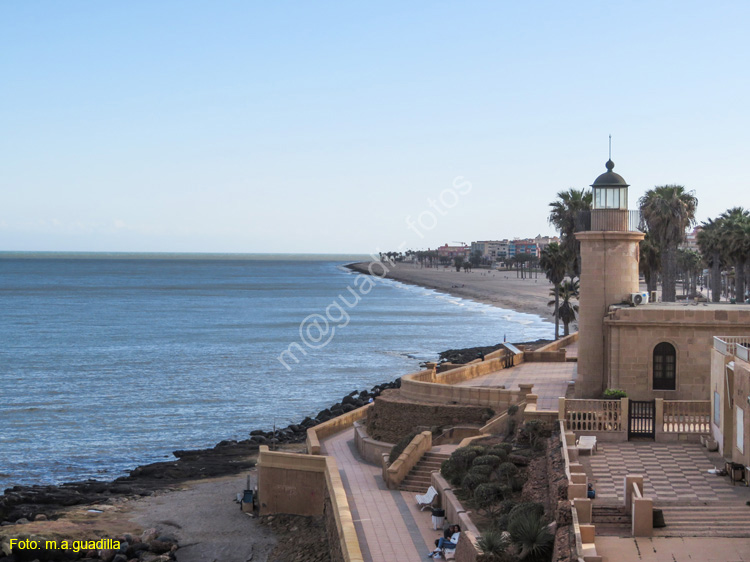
709 519
419 479
611 520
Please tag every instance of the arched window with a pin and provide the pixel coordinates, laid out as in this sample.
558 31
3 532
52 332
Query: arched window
665 366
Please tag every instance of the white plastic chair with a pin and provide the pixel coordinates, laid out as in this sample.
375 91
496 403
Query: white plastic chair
425 500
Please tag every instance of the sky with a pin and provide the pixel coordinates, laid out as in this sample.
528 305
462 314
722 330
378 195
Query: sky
183 126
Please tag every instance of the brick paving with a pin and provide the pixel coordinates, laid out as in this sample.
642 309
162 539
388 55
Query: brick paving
672 472
550 380
389 525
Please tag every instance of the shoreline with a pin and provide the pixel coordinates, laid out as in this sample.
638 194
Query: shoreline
498 288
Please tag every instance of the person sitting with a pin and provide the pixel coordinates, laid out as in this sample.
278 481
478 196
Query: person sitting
446 544
590 492
448 533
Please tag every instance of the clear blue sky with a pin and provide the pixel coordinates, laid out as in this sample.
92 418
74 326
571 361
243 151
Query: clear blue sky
319 127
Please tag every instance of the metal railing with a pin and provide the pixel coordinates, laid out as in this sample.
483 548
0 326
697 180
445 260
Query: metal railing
609 220
727 345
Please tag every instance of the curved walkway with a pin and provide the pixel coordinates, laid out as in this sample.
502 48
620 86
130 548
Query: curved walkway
550 380
389 525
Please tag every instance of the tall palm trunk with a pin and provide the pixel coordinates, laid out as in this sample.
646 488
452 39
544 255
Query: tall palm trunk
739 280
715 278
668 276
557 312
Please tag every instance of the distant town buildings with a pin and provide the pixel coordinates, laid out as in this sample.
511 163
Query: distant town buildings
501 250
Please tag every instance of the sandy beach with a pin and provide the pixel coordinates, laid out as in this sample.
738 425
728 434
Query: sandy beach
497 288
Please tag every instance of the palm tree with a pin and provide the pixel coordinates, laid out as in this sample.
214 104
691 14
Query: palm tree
565 210
668 210
689 262
567 291
649 261
733 237
709 242
554 262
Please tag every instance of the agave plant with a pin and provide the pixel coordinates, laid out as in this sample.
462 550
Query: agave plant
530 536
493 543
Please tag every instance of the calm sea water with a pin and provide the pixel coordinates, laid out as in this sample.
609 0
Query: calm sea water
110 363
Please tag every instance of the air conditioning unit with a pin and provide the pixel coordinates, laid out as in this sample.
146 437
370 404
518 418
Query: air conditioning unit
638 298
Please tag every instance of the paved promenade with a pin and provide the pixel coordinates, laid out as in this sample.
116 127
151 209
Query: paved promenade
550 380
389 525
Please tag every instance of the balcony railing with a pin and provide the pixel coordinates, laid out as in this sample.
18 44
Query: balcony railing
728 345
609 220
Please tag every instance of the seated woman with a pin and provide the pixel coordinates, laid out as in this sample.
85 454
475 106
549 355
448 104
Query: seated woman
448 544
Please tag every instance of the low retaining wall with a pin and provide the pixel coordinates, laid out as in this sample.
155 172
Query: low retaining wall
545 356
368 448
317 433
309 485
431 386
559 344
410 456
394 416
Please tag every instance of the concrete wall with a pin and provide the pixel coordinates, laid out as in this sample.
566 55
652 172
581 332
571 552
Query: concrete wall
394 416
332 426
633 333
431 386
368 448
291 483
741 394
309 485
559 344
719 382
410 456
609 273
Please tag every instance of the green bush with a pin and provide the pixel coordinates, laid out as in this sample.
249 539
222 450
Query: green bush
513 410
535 431
492 543
506 472
487 496
498 452
471 481
464 456
487 460
399 447
483 469
614 394
506 506
536 509
451 472
530 536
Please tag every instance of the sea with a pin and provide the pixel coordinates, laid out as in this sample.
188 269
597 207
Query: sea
112 361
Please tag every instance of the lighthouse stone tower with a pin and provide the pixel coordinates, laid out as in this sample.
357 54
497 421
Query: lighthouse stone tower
609 274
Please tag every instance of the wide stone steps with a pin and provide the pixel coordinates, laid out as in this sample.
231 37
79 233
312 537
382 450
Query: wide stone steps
420 477
611 520
716 519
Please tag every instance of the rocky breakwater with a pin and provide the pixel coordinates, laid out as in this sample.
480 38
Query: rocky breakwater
151 546
21 504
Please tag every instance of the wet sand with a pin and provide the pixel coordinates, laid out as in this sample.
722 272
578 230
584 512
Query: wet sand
502 289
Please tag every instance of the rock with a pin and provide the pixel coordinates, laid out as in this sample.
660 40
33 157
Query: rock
107 554
349 408
120 558
40 517
21 521
324 414
160 547
149 535
259 431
